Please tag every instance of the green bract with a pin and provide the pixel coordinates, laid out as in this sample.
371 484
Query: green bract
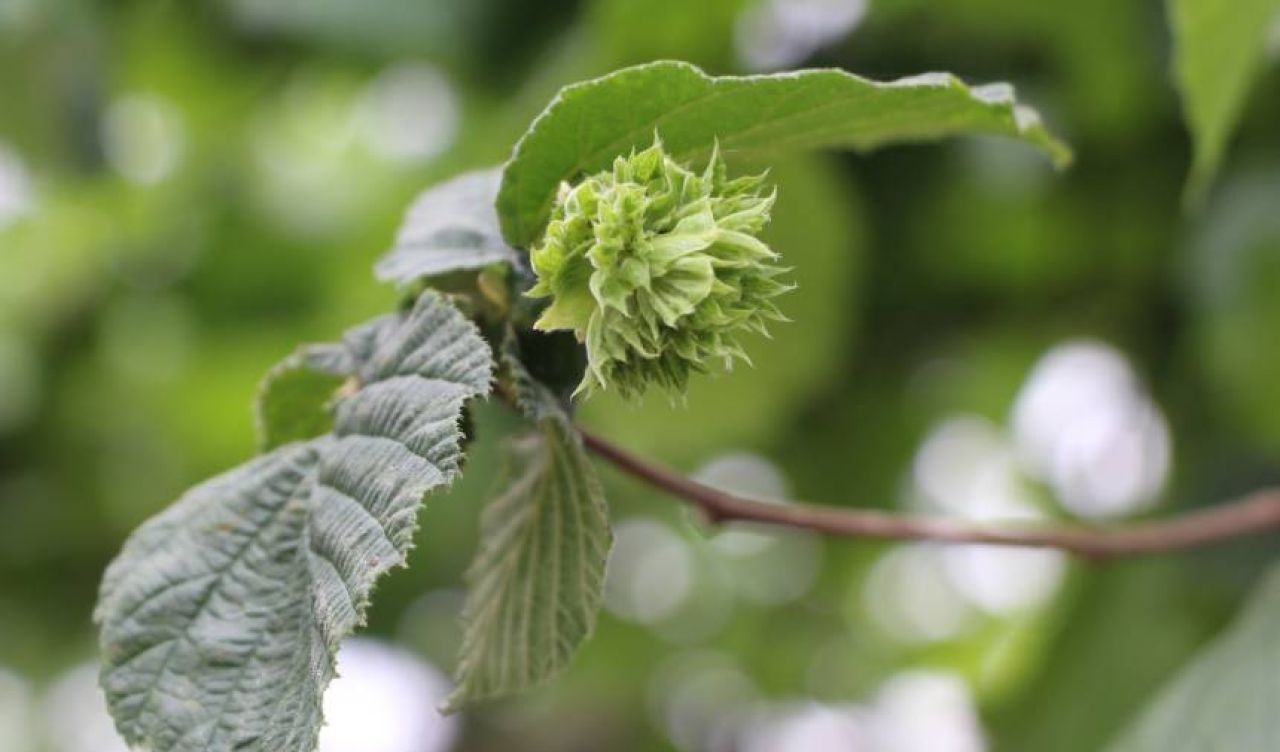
656 268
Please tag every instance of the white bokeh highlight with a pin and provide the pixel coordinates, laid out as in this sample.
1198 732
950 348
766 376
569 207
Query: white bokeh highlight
747 475
914 711
1084 425
16 194
312 178
810 727
967 468
651 571
926 711
911 597
73 714
143 137
765 565
385 699
782 33
700 699
17 708
1004 581
410 111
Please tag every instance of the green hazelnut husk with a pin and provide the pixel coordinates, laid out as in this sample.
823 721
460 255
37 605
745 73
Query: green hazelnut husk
657 269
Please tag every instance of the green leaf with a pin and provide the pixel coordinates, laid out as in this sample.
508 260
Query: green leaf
538 576
293 403
588 124
205 612
395 440
221 616
450 227
1218 51
358 346
1228 698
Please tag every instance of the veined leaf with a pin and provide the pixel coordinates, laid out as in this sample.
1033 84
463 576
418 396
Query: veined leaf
1228 698
537 578
450 227
221 616
394 440
1218 50
588 124
204 615
344 359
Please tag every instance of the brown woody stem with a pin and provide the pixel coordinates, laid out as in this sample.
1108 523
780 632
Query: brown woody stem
1256 514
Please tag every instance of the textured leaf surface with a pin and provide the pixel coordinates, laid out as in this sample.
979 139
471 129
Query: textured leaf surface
394 440
589 124
450 227
1218 49
293 403
538 576
221 616
358 346
1228 699
204 614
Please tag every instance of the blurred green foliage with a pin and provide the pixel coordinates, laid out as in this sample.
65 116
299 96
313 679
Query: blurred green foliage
188 191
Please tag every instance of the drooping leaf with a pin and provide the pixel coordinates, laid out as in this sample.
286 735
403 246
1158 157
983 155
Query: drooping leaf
1219 48
204 614
293 403
538 576
1228 698
221 616
588 124
450 227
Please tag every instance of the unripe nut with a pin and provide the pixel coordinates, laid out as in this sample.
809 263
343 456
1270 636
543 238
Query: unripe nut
657 268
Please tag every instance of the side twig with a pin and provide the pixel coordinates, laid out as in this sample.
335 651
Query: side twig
1255 514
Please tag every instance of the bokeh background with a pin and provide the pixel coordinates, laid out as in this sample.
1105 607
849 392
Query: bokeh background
188 190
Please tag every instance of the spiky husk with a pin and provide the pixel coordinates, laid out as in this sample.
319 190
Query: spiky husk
657 268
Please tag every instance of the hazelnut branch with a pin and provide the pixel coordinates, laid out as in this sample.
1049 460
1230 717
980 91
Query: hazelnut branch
1253 515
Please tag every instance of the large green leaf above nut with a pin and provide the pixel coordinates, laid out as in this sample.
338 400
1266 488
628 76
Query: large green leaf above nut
588 124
